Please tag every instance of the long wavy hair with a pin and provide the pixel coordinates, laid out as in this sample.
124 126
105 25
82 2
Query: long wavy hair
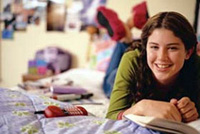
186 84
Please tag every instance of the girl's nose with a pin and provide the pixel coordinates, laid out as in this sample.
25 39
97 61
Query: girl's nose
162 54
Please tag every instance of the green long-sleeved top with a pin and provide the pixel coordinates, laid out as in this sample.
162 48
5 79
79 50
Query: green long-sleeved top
121 98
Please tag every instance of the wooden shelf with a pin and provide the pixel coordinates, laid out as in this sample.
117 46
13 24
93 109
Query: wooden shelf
33 77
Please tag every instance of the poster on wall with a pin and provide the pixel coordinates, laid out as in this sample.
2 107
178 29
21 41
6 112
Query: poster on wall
88 13
20 15
17 14
36 10
81 13
56 14
27 8
73 22
8 19
59 16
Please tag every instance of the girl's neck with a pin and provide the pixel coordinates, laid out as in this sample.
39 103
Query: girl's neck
165 86
162 87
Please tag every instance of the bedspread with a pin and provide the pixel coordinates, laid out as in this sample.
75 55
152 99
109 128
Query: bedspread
17 116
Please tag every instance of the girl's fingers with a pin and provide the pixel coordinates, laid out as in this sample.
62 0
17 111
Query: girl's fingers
176 115
174 101
192 118
187 108
189 114
183 102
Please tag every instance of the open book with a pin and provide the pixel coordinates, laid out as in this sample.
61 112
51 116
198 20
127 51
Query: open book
164 125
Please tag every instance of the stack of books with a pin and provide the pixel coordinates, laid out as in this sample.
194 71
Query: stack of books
58 92
69 93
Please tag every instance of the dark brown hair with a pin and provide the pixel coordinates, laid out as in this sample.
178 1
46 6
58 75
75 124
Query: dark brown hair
187 80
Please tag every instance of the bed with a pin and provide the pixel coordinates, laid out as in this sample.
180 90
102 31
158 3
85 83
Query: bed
17 109
17 116
89 79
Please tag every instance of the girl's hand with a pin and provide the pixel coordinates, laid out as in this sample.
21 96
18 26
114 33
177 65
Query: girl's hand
157 109
187 109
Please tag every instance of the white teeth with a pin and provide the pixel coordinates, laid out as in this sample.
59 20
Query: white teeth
162 66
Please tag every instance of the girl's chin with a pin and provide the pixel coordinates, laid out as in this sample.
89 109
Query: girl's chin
162 80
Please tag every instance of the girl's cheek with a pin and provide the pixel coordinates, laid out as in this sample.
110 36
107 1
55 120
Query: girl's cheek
151 55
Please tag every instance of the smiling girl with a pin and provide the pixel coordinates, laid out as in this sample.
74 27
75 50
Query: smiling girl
159 77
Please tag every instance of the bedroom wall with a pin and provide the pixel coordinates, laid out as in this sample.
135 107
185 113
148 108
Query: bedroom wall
15 53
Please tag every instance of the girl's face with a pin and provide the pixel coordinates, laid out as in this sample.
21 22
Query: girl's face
166 55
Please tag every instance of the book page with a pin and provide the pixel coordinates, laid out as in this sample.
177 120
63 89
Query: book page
162 124
158 128
195 124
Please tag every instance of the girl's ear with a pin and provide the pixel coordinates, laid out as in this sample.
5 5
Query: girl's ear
189 53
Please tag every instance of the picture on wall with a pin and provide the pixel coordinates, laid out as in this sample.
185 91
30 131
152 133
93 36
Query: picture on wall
8 19
17 14
88 12
56 16
81 13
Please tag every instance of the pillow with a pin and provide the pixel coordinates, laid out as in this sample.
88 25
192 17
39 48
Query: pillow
89 79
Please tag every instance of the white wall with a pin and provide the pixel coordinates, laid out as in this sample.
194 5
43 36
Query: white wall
16 53
185 7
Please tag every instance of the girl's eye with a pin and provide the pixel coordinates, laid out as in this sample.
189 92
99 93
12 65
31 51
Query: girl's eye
172 48
154 47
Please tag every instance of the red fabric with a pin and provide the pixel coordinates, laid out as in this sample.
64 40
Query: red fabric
115 23
120 115
140 15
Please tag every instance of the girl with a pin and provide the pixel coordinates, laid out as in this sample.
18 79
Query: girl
160 76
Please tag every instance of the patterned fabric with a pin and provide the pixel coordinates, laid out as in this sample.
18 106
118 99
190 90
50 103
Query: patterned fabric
100 53
17 116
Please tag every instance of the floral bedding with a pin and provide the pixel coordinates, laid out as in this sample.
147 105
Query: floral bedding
17 116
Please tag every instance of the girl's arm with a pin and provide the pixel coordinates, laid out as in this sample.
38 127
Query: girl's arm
121 97
154 108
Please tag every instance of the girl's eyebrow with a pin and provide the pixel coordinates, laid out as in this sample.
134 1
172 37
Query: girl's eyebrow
174 44
169 44
153 43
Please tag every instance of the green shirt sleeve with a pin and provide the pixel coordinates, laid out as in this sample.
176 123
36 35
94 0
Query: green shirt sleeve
121 97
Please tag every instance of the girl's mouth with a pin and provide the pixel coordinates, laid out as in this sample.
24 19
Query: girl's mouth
163 66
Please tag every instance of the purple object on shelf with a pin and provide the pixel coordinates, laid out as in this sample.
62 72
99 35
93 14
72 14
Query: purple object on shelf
41 70
40 63
67 90
31 63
